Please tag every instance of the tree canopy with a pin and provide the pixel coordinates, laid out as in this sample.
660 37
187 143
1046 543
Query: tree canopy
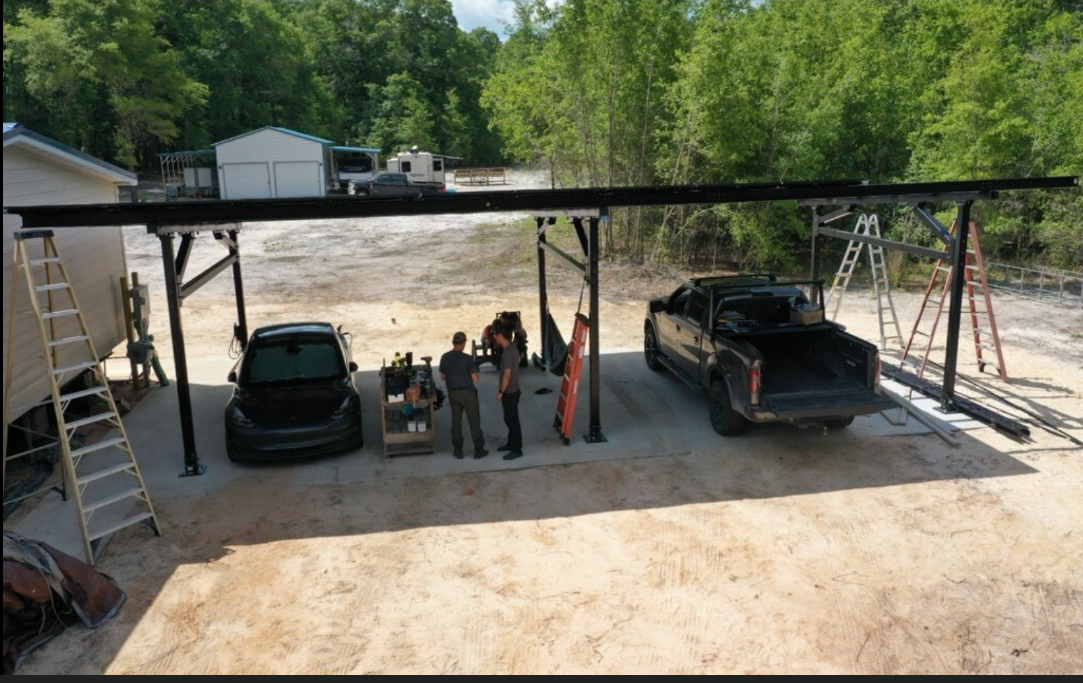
601 93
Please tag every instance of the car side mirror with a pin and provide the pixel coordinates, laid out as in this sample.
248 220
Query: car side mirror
353 366
232 376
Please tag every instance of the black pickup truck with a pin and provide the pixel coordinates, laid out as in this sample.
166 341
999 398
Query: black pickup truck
763 352
392 185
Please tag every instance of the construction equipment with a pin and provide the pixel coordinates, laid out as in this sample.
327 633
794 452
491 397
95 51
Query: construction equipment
97 462
980 309
569 386
869 226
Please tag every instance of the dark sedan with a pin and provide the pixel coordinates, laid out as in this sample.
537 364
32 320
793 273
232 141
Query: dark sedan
293 394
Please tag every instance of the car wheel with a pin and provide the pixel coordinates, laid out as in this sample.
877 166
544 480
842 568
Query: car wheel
840 423
725 420
650 348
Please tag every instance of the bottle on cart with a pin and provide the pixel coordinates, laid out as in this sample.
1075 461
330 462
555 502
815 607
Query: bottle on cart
397 362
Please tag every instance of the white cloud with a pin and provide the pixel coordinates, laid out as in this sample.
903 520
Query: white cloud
495 15
492 14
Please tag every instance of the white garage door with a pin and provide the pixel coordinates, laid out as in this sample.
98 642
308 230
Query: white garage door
297 179
246 181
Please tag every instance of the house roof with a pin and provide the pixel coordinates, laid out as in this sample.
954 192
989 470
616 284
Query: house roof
17 135
287 131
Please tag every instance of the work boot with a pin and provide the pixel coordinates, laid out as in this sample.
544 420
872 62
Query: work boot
458 455
480 454
512 455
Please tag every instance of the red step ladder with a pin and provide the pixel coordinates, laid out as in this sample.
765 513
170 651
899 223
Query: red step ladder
569 387
979 302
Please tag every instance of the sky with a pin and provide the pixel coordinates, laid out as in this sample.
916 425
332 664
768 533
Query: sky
488 13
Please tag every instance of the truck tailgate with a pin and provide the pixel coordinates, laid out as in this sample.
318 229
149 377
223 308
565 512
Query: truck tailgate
825 404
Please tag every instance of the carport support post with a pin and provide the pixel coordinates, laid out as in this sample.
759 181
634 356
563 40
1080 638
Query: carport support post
543 299
595 435
817 238
955 309
241 333
192 466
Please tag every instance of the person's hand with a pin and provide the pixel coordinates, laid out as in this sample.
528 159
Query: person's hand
500 397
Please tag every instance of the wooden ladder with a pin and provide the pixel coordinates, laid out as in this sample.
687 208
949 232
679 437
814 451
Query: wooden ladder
569 386
95 454
868 226
979 302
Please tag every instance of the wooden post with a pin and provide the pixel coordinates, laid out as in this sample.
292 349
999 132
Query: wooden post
129 323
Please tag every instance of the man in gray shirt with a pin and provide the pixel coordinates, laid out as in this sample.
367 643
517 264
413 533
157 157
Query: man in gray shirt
460 375
509 393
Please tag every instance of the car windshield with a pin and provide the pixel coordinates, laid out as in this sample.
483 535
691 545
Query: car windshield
293 361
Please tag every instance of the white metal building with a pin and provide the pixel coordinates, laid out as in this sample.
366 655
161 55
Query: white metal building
273 162
41 171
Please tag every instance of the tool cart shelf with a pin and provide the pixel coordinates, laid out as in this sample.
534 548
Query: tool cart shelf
406 410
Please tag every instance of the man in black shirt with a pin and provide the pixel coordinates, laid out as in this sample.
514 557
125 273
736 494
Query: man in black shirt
460 375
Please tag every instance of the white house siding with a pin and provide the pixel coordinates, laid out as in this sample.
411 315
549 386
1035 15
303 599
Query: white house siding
93 257
271 147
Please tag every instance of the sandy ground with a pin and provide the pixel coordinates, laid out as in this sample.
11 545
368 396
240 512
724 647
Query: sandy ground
790 554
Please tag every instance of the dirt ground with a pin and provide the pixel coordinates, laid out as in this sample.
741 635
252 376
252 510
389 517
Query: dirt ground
899 555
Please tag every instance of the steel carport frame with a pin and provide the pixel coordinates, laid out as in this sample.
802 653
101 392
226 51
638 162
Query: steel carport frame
224 217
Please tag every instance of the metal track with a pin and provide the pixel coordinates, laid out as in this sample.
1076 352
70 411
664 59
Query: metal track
974 410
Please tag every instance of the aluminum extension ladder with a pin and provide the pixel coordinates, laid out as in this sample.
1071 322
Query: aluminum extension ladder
978 295
569 386
868 226
96 458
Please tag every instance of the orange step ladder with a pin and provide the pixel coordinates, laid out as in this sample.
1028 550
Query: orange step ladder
569 386
976 286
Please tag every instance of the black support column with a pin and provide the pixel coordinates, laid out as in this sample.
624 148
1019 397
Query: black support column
595 435
192 466
955 311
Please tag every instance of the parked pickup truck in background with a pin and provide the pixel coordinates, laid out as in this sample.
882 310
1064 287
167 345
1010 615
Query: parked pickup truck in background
763 353
392 185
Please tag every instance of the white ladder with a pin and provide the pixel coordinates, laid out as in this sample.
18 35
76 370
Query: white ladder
868 226
96 457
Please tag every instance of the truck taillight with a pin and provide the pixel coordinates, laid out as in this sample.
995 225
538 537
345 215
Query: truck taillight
754 380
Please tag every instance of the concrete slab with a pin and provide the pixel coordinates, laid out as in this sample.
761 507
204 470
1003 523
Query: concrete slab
642 415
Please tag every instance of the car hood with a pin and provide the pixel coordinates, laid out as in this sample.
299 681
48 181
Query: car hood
285 403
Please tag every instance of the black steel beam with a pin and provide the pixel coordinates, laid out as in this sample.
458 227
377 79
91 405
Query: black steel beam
881 242
543 295
595 434
936 392
226 211
206 276
937 228
192 466
565 257
955 309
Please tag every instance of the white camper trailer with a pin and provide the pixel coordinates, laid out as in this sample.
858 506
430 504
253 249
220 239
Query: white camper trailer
421 167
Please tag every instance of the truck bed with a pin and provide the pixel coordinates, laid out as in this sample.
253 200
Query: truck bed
815 371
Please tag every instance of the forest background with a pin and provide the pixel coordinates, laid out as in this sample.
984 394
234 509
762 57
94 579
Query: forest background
631 93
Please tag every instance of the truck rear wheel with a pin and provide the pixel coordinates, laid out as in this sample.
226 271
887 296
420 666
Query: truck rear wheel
725 420
839 423
650 348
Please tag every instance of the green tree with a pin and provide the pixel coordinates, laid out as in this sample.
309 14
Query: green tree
113 44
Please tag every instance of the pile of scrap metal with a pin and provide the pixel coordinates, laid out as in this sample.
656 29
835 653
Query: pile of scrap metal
45 591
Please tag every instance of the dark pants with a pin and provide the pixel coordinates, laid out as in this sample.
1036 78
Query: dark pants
511 419
465 400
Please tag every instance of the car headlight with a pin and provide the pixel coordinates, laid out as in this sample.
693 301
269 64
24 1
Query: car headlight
239 419
343 410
